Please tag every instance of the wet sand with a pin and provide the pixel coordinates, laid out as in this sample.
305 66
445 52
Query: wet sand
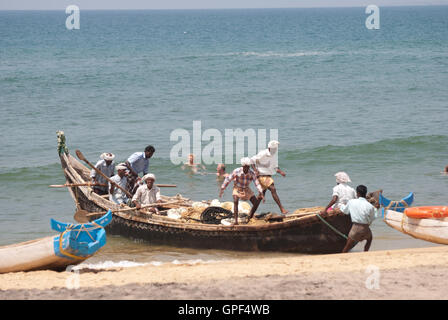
392 274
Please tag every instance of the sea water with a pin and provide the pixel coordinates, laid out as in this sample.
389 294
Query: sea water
372 103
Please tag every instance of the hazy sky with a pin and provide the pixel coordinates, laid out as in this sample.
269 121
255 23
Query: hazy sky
200 4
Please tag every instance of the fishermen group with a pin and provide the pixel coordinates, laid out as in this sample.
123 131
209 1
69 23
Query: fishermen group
258 169
128 187
344 198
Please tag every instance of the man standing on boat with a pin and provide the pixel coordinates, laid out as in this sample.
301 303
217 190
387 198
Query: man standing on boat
138 162
362 214
147 193
265 165
241 190
115 194
106 166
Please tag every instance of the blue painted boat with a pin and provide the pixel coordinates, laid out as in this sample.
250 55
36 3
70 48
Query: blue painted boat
74 244
398 206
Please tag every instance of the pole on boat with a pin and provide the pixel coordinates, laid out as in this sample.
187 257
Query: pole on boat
81 216
81 157
69 185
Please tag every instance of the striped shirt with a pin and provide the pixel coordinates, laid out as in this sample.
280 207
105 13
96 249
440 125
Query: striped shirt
139 163
242 180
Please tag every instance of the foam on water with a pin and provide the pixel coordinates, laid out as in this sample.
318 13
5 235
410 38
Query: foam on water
104 265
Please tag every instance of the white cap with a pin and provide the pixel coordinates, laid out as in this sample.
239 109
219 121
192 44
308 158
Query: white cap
107 156
246 161
149 176
342 177
121 166
273 144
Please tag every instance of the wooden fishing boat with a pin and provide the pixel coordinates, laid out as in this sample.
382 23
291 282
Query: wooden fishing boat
73 245
433 230
312 233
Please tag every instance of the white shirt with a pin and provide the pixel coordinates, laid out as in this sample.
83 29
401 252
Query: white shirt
118 196
265 162
144 196
344 193
108 170
360 210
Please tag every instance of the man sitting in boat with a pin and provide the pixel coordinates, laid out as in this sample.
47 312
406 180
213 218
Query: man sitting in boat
265 165
137 163
342 192
362 214
115 194
106 166
241 190
147 194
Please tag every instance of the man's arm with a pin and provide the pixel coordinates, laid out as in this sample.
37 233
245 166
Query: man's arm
346 208
136 198
280 171
131 170
259 188
226 183
332 202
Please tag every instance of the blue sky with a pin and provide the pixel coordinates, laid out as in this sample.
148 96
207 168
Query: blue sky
200 4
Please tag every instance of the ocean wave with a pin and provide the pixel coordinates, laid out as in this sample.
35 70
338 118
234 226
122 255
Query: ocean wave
267 54
406 149
104 265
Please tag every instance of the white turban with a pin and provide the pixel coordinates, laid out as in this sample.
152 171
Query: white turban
121 166
273 144
342 177
149 176
107 156
246 161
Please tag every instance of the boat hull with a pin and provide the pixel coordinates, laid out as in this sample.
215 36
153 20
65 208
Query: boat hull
305 234
33 255
432 230
311 236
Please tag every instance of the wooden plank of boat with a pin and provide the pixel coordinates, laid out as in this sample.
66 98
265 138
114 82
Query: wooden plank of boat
432 230
73 245
307 234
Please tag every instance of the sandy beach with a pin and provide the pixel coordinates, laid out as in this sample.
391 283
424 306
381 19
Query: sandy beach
394 274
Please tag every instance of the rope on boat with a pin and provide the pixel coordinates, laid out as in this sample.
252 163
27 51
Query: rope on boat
393 205
82 228
331 227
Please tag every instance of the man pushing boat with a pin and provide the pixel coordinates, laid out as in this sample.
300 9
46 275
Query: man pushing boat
265 165
241 190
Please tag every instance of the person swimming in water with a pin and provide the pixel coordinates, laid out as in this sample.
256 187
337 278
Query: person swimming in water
221 173
192 167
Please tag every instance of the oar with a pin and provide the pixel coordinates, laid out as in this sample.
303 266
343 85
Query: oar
68 185
296 215
81 156
82 215
166 185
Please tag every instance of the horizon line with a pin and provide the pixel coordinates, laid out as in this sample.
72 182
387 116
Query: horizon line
248 8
